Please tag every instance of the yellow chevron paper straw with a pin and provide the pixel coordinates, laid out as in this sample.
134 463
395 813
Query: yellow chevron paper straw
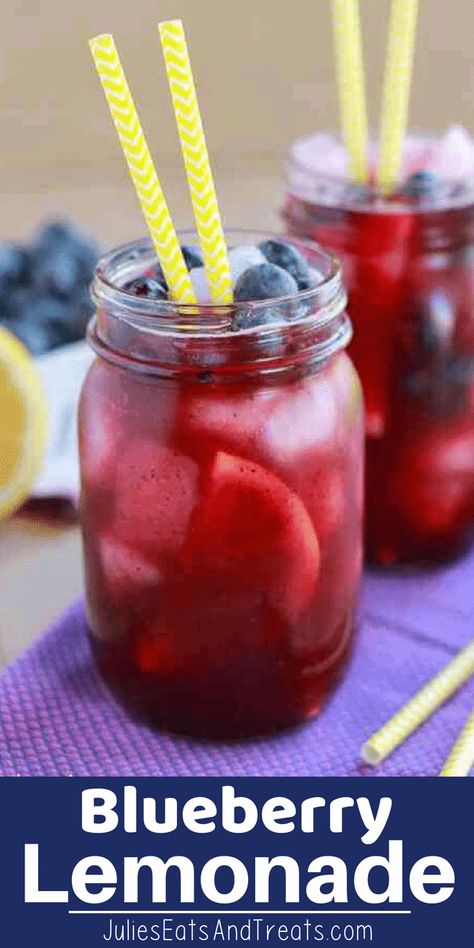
196 160
396 90
141 168
351 85
461 759
420 707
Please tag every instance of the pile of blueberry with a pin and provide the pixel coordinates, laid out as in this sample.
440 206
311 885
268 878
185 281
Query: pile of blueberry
44 287
274 269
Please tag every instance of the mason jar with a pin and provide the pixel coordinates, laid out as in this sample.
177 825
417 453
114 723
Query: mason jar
221 500
408 263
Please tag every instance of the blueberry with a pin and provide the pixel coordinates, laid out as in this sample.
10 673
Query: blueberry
58 231
58 315
63 332
87 255
288 258
77 317
206 377
316 277
62 232
57 272
452 386
249 319
13 265
44 308
148 288
358 194
443 389
37 337
413 383
17 304
434 320
61 239
156 273
55 319
264 282
421 184
192 256
459 369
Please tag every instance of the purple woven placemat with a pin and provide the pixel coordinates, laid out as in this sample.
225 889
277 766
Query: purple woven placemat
58 718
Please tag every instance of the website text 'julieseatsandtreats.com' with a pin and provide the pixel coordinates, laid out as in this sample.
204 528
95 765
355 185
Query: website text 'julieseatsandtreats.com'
252 930
236 472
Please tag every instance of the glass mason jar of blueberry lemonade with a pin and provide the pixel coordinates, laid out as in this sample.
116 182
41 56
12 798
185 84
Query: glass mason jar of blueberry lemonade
221 456
408 261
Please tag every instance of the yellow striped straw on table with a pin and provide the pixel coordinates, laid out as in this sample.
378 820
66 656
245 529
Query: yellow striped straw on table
461 759
420 707
351 85
141 168
396 90
196 160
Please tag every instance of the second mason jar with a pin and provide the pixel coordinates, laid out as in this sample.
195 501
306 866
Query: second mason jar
408 263
221 500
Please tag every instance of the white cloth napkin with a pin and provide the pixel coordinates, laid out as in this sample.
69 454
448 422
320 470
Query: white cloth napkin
62 372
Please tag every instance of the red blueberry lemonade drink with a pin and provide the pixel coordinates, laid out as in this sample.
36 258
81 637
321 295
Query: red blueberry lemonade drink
408 262
221 452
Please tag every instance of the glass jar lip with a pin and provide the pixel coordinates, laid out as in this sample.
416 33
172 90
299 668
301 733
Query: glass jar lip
328 295
378 204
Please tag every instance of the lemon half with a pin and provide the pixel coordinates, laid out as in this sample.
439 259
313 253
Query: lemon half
23 425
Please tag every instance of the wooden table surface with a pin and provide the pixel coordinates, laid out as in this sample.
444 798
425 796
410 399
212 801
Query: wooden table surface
40 564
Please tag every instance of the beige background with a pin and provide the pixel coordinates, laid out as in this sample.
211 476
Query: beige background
264 70
265 75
